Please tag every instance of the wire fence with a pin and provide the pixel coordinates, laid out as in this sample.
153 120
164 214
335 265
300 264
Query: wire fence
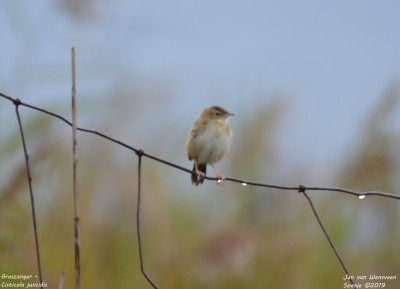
140 153
302 189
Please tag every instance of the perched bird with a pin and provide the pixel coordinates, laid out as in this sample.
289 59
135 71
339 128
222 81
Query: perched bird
208 142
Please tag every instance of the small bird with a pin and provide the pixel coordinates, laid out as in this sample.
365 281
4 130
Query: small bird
208 142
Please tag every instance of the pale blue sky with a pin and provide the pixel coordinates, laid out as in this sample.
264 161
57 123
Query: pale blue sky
333 59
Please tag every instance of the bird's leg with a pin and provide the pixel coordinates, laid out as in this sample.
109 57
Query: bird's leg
200 174
220 177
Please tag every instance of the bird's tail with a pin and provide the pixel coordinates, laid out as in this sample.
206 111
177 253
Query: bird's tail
198 179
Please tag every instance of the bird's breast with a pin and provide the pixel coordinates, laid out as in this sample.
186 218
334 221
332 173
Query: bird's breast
212 143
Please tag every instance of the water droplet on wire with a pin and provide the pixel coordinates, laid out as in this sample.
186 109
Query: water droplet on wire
244 184
361 197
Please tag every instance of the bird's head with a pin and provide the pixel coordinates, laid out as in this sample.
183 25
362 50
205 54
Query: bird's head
216 113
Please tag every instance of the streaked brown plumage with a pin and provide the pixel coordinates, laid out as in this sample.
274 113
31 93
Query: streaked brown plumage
208 142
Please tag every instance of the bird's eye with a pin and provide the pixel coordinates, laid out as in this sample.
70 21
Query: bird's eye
217 113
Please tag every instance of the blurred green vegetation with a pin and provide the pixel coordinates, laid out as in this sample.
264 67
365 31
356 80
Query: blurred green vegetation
208 237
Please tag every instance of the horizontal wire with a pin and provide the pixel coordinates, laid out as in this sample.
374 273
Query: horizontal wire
140 153
236 180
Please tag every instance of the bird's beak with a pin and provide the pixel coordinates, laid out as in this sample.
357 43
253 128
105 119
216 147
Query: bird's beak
230 114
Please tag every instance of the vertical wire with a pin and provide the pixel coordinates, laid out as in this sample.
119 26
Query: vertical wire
138 227
35 230
327 235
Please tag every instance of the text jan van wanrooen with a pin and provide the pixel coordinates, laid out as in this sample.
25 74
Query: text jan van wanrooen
371 277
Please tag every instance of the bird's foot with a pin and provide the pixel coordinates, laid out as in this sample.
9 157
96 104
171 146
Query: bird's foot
220 178
200 175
